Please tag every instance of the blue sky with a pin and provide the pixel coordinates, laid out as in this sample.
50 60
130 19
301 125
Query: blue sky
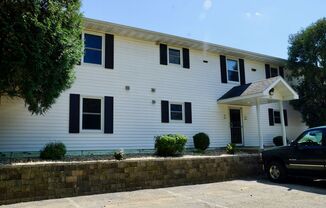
261 26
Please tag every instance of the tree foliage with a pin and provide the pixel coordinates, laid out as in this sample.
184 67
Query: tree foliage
39 46
307 65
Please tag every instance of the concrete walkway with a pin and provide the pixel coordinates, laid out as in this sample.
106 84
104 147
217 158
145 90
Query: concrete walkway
237 193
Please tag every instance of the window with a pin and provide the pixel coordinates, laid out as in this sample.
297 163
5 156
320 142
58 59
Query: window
274 72
311 138
233 72
176 112
93 49
277 117
91 114
174 56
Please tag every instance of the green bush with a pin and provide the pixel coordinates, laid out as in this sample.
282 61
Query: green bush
53 151
170 144
119 155
231 148
201 141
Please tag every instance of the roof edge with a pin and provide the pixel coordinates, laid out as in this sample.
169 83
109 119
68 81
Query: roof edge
219 48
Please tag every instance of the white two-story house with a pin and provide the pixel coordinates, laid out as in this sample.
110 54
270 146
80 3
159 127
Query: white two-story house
133 84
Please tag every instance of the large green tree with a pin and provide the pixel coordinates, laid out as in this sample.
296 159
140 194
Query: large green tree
307 65
39 46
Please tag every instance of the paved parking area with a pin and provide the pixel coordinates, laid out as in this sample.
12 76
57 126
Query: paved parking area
236 193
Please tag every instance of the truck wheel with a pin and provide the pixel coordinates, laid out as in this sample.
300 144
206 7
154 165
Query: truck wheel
276 171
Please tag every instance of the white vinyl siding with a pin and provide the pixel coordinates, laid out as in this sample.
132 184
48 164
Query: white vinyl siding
136 119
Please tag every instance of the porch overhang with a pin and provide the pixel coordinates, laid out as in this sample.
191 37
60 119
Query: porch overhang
267 91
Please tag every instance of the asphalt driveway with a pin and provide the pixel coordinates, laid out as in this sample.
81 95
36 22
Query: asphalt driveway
236 193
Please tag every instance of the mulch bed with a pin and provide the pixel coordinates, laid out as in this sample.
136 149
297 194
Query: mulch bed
79 158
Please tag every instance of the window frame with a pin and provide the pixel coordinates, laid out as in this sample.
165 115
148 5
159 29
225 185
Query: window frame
182 111
102 50
277 111
323 142
277 69
168 56
81 115
227 70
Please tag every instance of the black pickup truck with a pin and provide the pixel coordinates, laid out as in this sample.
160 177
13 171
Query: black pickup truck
305 156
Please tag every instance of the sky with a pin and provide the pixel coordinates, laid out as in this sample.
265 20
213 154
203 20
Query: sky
261 26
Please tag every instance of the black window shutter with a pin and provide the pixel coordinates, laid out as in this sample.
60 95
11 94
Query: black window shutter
165 111
163 54
108 115
285 113
185 56
223 69
242 72
268 71
188 112
281 71
271 116
74 110
109 51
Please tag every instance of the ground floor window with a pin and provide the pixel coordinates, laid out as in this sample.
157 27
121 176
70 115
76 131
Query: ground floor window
91 114
176 112
277 117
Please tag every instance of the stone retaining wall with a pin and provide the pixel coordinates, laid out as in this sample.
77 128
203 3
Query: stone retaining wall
44 181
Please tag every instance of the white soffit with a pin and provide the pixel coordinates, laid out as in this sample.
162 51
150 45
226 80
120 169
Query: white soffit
157 37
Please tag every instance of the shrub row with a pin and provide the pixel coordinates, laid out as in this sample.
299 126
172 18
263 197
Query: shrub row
170 144
165 145
201 141
174 144
53 151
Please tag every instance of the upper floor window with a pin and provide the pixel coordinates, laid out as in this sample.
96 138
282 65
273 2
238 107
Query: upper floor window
93 49
233 70
176 112
174 56
91 114
274 72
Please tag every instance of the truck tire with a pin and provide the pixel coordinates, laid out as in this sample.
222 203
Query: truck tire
276 171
